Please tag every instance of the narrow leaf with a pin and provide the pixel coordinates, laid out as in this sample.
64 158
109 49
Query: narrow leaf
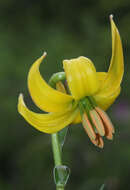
62 136
102 187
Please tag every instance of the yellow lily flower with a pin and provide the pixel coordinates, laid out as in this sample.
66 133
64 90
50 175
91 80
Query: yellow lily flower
90 94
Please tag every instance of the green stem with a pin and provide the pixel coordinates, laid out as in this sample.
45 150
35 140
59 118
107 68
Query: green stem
56 149
59 188
56 153
56 78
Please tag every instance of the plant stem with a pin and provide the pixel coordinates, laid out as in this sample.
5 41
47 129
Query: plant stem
59 188
56 153
56 149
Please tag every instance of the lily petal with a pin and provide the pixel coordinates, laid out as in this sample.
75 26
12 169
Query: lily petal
81 77
45 97
116 69
77 119
47 123
101 77
104 101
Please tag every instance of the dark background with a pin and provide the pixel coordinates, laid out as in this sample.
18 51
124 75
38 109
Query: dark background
65 29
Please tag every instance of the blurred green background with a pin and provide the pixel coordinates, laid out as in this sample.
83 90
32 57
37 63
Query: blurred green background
65 29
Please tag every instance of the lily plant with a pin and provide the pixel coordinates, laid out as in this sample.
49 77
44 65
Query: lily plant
80 94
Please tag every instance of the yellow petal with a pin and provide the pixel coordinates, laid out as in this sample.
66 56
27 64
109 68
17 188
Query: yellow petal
47 123
105 102
77 118
116 69
81 77
101 77
45 97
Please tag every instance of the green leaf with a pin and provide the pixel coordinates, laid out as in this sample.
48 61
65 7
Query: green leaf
61 175
62 135
102 187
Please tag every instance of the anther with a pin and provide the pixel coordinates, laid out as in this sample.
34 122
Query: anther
109 129
88 127
97 122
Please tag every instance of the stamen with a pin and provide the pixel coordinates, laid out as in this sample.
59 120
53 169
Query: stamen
98 141
60 87
109 135
101 143
97 122
109 129
95 142
91 121
88 127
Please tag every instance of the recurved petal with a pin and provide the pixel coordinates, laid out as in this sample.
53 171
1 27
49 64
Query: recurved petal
116 69
105 101
45 97
47 123
81 77
101 77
